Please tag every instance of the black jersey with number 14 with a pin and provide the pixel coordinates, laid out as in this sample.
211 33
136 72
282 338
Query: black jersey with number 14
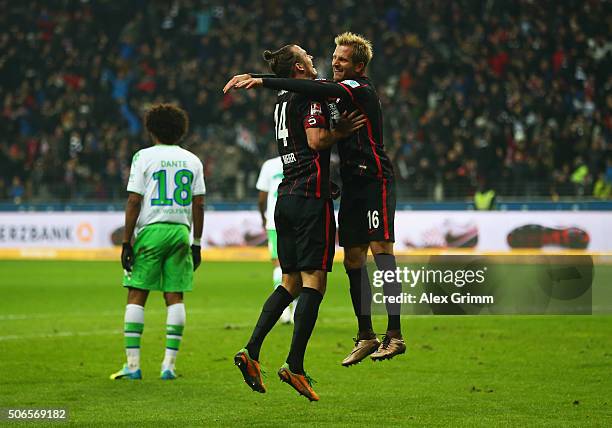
362 154
305 171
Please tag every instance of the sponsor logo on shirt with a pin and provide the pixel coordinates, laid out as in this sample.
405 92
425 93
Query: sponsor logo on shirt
351 83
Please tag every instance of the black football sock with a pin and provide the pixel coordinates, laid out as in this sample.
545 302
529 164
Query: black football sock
361 296
305 318
386 262
270 313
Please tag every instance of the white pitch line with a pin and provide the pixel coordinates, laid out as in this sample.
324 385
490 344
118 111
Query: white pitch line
18 317
60 334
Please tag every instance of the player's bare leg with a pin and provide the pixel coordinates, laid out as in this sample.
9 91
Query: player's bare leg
247 359
137 296
366 341
392 343
306 313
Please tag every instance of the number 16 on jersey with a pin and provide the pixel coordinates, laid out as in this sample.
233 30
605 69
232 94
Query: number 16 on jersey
280 122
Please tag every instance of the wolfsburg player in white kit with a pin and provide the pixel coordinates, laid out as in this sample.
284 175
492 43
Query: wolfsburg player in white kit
166 195
270 176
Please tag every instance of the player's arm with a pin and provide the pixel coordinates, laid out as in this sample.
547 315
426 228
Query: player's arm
264 186
132 211
197 213
262 204
323 138
240 77
313 88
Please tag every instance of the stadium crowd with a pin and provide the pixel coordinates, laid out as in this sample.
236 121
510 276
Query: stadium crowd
512 95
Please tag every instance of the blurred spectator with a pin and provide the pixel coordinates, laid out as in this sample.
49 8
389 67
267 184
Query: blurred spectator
16 191
602 188
509 91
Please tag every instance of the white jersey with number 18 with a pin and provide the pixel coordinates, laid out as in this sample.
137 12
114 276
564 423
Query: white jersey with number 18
167 177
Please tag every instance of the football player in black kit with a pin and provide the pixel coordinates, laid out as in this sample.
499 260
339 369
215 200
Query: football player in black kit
367 207
304 218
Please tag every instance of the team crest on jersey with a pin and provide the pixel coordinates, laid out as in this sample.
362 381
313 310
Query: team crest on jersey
351 83
315 108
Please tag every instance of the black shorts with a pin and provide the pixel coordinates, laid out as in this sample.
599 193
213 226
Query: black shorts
306 233
367 212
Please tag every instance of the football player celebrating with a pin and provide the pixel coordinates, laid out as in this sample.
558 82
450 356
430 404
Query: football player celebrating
367 207
304 218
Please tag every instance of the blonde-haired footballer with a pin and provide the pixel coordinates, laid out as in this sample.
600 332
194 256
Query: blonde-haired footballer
166 198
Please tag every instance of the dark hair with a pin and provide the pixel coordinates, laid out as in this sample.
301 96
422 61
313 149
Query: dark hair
166 122
281 62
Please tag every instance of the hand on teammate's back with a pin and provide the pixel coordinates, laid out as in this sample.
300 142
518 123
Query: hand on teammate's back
196 255
127 256
349 123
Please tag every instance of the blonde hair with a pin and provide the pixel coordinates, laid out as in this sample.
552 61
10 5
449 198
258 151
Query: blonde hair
362 47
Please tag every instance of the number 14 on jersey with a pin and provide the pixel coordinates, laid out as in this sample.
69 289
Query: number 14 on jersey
280 120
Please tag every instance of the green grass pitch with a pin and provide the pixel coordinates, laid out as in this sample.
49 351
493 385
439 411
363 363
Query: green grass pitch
61 337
